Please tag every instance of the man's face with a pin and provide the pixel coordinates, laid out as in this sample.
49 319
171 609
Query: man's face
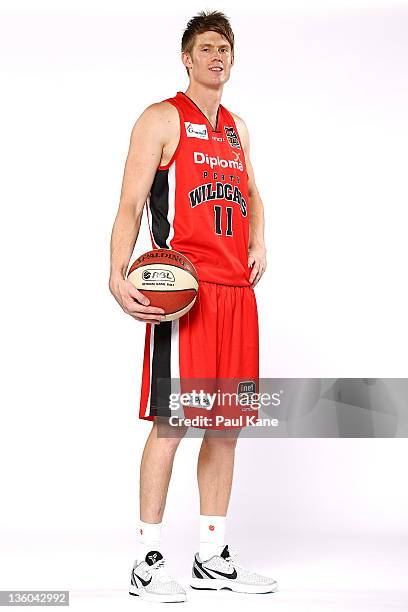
211 60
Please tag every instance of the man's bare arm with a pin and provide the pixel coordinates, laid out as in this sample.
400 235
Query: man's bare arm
147 140
256 247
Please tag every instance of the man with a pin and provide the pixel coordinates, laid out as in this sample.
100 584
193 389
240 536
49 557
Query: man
189 162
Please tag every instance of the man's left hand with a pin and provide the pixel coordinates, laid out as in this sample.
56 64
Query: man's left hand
256 261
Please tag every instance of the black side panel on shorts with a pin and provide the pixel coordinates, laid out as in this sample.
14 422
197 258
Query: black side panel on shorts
161 389
159 206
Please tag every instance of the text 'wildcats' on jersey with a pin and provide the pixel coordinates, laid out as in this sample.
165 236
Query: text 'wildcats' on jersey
198 202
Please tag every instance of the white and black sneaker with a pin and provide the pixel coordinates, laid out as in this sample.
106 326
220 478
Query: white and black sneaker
150 581
223 572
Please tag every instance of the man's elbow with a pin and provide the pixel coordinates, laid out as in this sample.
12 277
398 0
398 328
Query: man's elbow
131 207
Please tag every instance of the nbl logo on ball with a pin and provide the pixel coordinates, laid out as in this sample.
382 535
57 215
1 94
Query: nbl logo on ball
158 275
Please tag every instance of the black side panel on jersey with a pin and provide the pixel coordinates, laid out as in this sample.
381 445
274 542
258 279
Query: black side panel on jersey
159 207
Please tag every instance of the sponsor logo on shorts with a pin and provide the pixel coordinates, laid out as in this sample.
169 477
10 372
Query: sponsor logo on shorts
197 400
196 130
245 390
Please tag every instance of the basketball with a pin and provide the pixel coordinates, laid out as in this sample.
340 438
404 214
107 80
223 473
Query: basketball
168 279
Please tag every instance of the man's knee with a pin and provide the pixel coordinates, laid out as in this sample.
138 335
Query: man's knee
226 442
168 435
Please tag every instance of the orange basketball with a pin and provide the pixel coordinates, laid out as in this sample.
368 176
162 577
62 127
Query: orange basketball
168 279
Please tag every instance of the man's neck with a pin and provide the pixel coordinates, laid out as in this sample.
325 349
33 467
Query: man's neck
207 100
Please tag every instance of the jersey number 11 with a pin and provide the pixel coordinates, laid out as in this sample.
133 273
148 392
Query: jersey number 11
218 220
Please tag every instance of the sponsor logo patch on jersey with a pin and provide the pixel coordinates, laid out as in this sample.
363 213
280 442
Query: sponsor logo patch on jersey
232 137
203 158
196 130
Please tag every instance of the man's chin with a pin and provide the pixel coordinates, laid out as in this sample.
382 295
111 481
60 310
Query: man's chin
216 83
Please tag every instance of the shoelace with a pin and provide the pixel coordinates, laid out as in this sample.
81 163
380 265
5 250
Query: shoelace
232 561
158 567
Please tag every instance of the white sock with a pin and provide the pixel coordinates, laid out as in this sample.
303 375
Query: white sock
212 536
149 538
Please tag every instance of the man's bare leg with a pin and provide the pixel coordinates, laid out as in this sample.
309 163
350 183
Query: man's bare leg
155 470
215 469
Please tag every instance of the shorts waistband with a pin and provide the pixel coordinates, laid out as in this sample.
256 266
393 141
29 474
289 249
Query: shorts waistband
202 282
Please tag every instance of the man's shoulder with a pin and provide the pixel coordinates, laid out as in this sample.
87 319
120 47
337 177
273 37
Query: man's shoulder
241 127
159 111
159 120
238 120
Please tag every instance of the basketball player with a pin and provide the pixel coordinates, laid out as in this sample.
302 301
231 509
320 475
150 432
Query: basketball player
188 162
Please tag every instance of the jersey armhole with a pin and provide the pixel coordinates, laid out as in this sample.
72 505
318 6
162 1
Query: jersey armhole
173 157
234 125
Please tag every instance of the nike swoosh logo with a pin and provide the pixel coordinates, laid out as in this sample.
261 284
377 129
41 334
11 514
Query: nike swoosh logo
144 582
231 575
207 570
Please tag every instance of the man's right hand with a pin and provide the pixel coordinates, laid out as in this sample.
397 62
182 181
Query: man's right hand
135 303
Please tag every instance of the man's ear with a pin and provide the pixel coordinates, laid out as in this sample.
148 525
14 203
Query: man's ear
186 59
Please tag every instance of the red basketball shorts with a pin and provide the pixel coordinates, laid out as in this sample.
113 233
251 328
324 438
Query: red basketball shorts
210 356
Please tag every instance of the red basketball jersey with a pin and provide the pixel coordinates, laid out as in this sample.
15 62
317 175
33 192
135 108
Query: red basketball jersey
198 202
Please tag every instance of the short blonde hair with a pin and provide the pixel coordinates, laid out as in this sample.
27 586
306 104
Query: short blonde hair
205 21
